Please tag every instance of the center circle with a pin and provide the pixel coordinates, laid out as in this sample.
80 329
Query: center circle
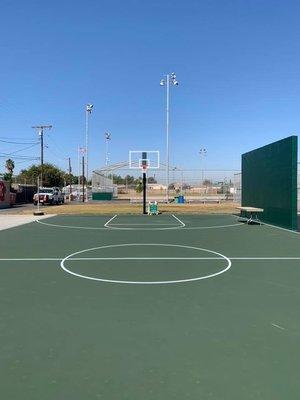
219 256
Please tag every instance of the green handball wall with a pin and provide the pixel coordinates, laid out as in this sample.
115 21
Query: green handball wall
269 181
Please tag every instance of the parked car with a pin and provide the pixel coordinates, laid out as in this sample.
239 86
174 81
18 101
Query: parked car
48 196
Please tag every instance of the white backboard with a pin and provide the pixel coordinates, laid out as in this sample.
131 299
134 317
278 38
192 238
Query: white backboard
144 159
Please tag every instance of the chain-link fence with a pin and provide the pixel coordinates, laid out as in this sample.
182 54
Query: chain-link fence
237 191
195 184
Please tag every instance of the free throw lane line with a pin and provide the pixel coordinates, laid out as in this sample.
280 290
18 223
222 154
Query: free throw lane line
182 223
106 224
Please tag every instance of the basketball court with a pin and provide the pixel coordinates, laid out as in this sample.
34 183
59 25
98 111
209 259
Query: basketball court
133 306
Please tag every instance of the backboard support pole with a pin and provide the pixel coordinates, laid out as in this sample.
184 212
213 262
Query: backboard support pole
144 165
144 192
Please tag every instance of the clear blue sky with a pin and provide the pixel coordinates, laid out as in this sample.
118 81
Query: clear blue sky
237 63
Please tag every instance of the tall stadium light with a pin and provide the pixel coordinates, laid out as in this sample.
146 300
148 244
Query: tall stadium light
88 112
202 154
169 79
107 136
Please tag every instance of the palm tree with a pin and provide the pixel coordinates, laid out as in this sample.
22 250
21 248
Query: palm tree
10 166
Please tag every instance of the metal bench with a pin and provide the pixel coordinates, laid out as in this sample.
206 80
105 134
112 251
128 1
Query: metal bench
252 214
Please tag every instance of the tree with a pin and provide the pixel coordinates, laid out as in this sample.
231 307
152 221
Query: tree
129 179
207 182
9 165
70 177
74 179
185 186
139 186
52 176
151 179
7 177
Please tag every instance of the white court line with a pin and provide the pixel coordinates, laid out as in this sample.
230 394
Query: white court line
272 226
106 224
153 258
264 258
73 227
220 256
160 226
30 259
282 229
143 258
278 326
157 224
182 223
111 226
210 227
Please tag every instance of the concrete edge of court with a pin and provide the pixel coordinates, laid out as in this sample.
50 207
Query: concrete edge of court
10 221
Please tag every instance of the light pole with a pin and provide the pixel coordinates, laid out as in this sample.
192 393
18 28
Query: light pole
202 153
107 136
169 79
107 139
88 112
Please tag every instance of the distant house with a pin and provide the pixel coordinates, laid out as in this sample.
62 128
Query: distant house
156 186
204 190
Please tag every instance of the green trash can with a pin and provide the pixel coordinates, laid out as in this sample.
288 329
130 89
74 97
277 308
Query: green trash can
152 208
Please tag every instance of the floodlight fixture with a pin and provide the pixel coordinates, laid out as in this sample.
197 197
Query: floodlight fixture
166 81
89 108
203 152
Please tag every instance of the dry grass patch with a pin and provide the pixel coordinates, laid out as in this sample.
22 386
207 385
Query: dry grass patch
127 208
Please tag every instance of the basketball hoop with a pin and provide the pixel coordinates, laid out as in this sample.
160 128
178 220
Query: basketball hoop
144 160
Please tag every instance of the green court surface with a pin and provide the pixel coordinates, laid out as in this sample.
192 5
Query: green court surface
153 308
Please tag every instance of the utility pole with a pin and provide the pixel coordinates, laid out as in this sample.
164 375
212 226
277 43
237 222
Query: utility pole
70 179
40 129
78 170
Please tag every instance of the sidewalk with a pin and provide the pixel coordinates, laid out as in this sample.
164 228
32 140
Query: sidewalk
10 221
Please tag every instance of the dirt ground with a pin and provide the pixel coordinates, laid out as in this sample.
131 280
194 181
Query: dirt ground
126 208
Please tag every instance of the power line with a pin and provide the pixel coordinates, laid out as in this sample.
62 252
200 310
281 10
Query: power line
57 152
56 155
18 151
12 142
4 155
21 162
15 138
